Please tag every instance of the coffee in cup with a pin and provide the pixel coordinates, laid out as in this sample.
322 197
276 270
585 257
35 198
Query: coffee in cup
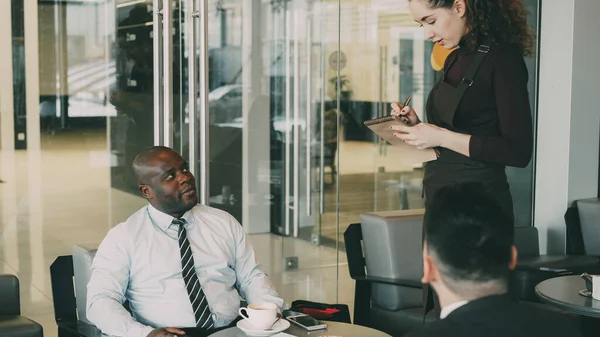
261 316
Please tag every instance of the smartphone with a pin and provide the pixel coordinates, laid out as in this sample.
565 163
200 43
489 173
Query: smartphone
306 322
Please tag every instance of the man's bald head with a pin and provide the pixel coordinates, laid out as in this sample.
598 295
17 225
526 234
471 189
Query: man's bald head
147 159
165 180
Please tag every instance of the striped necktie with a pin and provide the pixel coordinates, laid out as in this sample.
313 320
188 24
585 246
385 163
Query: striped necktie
192 285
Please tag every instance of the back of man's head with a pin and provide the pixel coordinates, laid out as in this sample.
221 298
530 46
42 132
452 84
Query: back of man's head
470 238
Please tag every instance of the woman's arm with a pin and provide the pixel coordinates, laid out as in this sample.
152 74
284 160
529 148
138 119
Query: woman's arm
514 145
457 142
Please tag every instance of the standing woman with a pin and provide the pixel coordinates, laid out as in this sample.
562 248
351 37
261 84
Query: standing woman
478 114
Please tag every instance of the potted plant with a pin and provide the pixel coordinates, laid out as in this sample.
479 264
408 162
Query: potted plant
345 91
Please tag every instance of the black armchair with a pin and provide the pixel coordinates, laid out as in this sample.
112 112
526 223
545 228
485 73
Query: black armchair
12 324
533 268
65 302
70 298
388 294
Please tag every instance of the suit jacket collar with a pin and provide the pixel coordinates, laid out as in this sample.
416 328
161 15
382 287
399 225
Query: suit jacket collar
495 301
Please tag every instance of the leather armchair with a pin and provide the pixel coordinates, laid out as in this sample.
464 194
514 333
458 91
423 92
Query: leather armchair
12 324
533 268
385 259
589 213
70 275
388 294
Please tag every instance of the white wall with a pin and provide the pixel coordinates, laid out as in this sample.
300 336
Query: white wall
568 115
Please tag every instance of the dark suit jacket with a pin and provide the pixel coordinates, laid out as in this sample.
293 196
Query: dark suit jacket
500 316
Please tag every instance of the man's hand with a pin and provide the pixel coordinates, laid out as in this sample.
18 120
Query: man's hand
166 332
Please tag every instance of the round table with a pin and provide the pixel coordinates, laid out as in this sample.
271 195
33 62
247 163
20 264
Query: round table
333 329
563 292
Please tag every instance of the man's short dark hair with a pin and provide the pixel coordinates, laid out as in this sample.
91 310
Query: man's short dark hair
469 234
143 159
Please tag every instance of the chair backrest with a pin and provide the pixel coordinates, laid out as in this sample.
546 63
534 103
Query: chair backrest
589 217
574 237
527 241
63 292
82 270
393 249
69 276
9 295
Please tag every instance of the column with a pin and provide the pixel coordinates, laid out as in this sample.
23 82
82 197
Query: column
568 115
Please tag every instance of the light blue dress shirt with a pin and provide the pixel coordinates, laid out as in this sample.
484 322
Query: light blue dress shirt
139 261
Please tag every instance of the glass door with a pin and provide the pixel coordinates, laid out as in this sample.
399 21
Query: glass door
266 153
133 95
264 104
150 93
404 72
386 59
240 89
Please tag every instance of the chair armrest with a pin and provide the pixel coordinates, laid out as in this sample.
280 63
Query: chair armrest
78 329
559 263
390 281
9 293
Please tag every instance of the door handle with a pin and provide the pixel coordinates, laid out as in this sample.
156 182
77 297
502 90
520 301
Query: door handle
157 70
308 118
288 117
204 112
296 126
322 119
192 81
167 72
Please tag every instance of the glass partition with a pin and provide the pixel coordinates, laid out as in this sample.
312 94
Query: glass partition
289 84
387 59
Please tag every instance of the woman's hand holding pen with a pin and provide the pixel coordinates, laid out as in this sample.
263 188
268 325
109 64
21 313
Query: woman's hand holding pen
422 135
405 110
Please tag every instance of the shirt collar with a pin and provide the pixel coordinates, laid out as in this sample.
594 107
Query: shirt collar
164 220
450 308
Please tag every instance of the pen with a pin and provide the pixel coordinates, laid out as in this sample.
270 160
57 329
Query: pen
404 119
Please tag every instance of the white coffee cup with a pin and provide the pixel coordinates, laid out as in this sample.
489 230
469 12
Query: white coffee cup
596 287
260 316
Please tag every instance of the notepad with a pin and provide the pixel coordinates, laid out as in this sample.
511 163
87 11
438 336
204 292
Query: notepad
409 155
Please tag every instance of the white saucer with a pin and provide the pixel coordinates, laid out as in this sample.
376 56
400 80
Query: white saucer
249 330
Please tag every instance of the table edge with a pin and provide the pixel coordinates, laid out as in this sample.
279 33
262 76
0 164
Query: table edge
564 305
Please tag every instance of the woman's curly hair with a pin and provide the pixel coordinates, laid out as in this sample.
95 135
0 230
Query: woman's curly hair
493 22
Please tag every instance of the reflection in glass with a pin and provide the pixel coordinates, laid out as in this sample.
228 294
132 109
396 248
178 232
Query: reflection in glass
132 96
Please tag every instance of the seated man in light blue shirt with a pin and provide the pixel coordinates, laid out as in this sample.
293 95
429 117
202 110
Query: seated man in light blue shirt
177 263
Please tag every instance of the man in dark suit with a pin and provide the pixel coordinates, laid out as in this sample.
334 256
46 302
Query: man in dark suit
468 253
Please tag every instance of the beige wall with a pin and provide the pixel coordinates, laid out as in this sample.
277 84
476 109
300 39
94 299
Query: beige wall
6 87
370 41
48 45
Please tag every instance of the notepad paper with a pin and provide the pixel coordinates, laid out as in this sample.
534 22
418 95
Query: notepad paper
407 154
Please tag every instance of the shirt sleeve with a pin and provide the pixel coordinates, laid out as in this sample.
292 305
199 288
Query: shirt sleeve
252 281
107 287
514 146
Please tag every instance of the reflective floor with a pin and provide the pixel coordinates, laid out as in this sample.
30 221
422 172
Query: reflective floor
55 198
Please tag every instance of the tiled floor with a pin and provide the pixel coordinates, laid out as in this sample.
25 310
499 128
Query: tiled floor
60 196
